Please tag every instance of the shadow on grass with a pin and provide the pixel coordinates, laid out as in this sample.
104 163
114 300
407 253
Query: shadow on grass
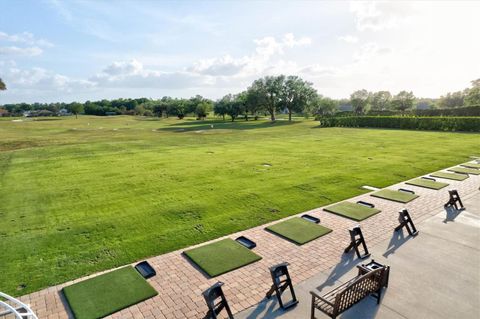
189 126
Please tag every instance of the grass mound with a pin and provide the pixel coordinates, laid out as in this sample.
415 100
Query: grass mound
396 196
464 170
108 293
222 256
351 210
471 165
299 230
421 182
452 176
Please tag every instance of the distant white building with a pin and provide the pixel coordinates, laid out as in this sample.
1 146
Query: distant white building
64 112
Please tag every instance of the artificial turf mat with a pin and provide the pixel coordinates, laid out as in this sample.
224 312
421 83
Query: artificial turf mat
396 196
299 230
453 176
471 165
221 256
103 295
464 170
421 182
351 210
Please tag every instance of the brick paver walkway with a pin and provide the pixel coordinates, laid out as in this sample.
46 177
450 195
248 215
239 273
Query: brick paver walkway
180 284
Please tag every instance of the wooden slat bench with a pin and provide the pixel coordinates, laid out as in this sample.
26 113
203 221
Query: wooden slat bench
353 291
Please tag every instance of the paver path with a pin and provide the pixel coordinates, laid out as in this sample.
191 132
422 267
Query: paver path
180 284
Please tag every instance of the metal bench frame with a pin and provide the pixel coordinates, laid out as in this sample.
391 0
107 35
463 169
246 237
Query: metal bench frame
15 307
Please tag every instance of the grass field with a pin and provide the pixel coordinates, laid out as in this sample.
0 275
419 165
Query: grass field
82 195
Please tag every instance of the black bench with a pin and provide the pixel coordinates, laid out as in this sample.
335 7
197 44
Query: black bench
369 281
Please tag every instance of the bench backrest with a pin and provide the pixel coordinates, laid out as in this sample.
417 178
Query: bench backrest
363 286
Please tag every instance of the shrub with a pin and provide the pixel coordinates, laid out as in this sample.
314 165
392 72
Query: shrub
450 123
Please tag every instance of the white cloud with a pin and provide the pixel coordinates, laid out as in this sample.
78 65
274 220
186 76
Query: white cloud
25 51
348 38
218 71
33 45
26 38
223 66
133 74
369 52
374 15
39 79
269 46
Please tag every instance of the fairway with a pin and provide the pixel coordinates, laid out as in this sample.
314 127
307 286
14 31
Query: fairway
82 195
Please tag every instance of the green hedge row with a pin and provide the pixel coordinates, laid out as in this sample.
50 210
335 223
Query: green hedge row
465 124
458 111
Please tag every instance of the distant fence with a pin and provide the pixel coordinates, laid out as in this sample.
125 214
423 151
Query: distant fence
448 123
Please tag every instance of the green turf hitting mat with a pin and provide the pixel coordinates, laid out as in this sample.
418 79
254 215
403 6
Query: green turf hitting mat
221 256
106 294
421 182
465 170
471 165
452 176
351 210
396 196
298 230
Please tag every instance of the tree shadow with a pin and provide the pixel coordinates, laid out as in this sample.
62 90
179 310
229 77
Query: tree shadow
189 126
451 213
397 240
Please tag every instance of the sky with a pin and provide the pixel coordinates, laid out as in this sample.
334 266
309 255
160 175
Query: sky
64 51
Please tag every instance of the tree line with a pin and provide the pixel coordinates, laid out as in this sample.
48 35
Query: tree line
266 96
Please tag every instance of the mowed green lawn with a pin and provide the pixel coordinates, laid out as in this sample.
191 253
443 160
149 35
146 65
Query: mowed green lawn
81 195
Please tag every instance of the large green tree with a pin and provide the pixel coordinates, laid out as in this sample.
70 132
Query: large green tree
268 92
296 95
380 101
324 106
472 97
451 100
359 100
403 101
75 108
2 85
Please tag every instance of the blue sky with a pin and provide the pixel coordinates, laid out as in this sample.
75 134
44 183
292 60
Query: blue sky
87 50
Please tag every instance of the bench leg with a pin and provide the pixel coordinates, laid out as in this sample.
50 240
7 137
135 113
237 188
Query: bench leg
312 315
